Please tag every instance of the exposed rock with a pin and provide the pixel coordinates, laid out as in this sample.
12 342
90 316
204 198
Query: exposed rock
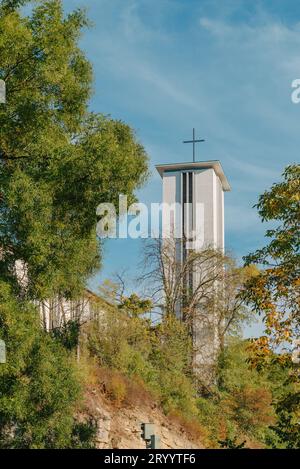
120 427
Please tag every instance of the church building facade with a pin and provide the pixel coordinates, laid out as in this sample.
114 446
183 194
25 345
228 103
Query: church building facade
198 189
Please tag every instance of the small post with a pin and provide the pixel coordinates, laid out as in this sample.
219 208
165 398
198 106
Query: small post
155 442
149 435
147 431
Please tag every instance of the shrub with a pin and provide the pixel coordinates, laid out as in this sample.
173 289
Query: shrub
250 407
39 387
141 358
159 356
84 434
117 389
191 426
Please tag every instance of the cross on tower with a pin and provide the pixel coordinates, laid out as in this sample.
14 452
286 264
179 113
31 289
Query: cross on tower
193 142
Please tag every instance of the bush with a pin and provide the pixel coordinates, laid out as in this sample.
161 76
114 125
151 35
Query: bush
159 356
84 434
191 426
116 388
139 358
287 428
39 387
250 408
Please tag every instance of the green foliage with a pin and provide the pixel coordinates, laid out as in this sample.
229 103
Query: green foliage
241 404
172 345
127 350
84 434
39 387
274 293
135 306
171 358
159 355
68 334
244 402
287 428
231 443
246 394
10 5
60 160
232 311
58 163
234 370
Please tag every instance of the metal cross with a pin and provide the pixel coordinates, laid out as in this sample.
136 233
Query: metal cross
193 142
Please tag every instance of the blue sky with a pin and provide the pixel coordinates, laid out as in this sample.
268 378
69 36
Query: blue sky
223 67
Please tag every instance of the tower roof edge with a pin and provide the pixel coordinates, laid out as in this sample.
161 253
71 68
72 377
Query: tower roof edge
211 164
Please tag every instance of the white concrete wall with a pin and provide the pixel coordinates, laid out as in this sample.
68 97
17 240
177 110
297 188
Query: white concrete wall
208 199
208 217
209 193
57 312
204 195
171 196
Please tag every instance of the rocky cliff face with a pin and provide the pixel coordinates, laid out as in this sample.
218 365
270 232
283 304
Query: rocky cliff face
120 426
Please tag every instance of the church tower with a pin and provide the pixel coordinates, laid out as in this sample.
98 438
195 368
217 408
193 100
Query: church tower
198 188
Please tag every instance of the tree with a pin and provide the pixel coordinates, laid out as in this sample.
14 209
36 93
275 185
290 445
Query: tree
10 5
288 415
274 293
39 387
204 286
157 355
246 394
59 161
133 305
228 302
169 277
171 359
128 350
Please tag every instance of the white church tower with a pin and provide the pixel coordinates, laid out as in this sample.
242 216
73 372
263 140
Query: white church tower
199 189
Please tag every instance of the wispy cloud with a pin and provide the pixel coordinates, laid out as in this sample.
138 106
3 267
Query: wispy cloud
252 171
223 67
